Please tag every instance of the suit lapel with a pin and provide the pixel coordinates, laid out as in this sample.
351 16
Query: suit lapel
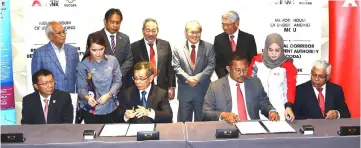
328 97
228 48
39 108
313 97
108 48
200 53
68 59
118 42
187 55
227 94
160 51
51 52
238 46
151 97
52 105
143 50
248 87
136 98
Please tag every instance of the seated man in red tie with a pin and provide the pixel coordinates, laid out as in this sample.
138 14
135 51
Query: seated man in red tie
146 103
237 97
319 98
46 105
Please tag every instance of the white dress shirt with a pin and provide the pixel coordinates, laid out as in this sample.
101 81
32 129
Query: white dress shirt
151 114
156 56
109 38
43 102
60 54
324 96
190 49
235 38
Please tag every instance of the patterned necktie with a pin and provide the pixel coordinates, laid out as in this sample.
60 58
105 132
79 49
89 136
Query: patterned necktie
193 56
144 102
152 58
233 44
242 114
112 43
321 100
46 109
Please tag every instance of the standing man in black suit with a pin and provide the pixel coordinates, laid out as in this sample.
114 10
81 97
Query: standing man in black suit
146 103
319 98
232 41
118 43
158 52
46 105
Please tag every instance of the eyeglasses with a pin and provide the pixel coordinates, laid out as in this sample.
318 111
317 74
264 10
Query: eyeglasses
51 82
226 25
141 79
315 75
194 32
60 32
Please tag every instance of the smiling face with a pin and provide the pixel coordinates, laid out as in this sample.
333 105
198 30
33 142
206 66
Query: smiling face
193 32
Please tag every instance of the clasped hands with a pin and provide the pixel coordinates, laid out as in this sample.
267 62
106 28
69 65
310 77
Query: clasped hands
233 118
139 112
192 81
102 100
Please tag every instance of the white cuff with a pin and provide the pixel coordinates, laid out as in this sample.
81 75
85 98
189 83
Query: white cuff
125 119
338 114
151 114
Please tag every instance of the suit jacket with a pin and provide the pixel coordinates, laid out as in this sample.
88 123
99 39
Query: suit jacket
45 58
306 103
246 46
218 99
123 53
165 71
157 100
60 109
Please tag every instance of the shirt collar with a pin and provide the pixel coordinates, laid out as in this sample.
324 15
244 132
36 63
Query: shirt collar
147 89
323 87
55 47
108 33
42 98
231 81
190 44
146 42
235 34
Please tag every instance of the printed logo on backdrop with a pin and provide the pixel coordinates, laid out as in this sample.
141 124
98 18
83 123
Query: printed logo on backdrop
36 3
293 2
349 3
2 9
70 3
51 3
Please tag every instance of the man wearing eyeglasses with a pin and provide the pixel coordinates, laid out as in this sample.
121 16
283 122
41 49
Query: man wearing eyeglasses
319 98
193 62
47 105
146 103
158 52
236 97
60 58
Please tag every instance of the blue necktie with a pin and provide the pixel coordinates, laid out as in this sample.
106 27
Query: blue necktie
144 102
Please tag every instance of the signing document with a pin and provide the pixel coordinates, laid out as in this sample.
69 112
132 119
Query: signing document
250 127
114 130
134 128
278 127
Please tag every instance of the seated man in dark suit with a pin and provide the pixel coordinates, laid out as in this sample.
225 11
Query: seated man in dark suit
146 103
46 105
319 98
237 97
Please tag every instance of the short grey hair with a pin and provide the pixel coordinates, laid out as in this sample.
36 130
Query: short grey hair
193 22
231 15
49 27
150 20
322 64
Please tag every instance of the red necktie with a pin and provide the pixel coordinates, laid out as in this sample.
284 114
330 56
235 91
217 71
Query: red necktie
112 43
46 109
321 101
152 59
193 56
242 114
233 44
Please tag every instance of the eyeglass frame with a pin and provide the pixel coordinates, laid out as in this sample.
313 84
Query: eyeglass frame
52 82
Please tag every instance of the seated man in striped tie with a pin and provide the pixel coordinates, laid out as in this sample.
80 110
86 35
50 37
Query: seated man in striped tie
319 98
46 105
236 97
146 103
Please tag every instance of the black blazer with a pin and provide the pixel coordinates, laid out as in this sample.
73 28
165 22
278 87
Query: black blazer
157 100
165 71
306 103
60 109
246 46
123 53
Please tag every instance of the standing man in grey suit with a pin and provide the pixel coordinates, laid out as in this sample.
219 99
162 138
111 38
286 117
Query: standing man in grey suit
237 97
118 43
193 62
157 52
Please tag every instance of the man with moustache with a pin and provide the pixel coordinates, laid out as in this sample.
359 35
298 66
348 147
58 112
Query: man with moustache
193 62
237 97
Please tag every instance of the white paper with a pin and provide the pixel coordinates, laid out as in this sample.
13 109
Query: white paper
252 127
134 128
278 126
114 130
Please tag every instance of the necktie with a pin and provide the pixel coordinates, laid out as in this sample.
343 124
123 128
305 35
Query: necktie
144 102
112 43
233 44
242 114
321 100
152 59
46 109
193 56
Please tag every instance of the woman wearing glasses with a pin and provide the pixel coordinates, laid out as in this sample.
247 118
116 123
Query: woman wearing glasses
98 82
277 74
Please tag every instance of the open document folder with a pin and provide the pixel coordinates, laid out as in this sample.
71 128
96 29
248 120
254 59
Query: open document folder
263 127
113 130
